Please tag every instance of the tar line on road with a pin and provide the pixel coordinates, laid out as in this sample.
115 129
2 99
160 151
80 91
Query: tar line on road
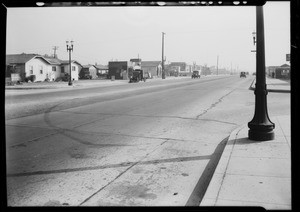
202 184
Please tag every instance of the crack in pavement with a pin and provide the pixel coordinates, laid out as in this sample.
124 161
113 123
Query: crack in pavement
214 104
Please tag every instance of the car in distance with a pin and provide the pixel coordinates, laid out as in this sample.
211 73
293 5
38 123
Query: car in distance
243 74
195 74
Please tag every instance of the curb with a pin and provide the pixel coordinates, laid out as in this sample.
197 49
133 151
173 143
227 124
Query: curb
269 90
211 195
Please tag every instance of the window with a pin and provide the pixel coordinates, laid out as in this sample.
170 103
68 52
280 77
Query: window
53 68
62 69
73 68
31 70
41 69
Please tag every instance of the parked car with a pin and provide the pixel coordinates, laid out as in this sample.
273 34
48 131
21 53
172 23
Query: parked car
243 74
195 74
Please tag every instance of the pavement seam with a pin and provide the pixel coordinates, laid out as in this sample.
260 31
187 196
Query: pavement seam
258 175
122 173
271 203
283 133
138 115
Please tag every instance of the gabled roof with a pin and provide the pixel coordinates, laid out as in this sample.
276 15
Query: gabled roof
63 62
88 66
19 58
23 58
53 60
150 63
101 67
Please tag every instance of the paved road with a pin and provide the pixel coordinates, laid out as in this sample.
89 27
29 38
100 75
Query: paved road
153 143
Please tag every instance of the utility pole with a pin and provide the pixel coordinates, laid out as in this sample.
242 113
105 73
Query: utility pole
260 127
55 48
162 58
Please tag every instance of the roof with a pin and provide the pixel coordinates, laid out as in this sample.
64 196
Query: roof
150 63
101 67
19 58
135 60
53 60
23 58
87 66
63 62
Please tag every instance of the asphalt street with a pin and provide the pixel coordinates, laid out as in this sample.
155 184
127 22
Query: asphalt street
153 144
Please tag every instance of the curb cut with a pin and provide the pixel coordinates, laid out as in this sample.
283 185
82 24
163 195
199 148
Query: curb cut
211 195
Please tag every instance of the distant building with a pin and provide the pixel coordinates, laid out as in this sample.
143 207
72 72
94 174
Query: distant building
279 72
88 71
153 68
118 69
101 69
282 72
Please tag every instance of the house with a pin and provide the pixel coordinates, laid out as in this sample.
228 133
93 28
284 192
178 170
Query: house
65 68
55 71
153 68
26 65
88 71
101 70
38 67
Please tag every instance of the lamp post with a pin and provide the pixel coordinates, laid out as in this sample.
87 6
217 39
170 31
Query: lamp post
69 49
261 128
162 58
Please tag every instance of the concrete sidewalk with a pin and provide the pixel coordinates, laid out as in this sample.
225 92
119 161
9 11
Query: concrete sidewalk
252 173
275 85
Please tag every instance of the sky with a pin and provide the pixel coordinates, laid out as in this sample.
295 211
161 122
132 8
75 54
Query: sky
205 35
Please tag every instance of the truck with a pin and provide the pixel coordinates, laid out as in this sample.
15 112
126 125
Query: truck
136 75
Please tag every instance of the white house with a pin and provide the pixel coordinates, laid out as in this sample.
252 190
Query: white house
76 67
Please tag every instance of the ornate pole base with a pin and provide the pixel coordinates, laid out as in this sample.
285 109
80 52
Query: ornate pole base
261 135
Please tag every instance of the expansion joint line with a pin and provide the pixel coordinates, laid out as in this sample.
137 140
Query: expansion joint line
122 173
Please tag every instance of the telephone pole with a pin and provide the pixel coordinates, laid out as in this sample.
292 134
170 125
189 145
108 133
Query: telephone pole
163 58
55 48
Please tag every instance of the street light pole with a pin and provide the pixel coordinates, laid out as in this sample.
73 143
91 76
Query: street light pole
162 58
261 128
69 49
